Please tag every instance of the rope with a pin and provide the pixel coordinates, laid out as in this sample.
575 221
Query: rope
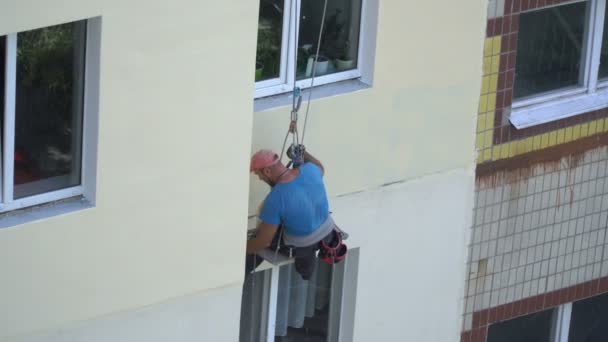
314 70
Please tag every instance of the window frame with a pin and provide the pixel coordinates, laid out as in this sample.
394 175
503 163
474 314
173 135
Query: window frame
284 83
591 94
90 109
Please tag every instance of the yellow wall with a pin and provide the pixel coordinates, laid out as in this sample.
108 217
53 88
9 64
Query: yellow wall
175 136
174 140
418 116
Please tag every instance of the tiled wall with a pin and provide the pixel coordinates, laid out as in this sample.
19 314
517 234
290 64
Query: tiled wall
537 230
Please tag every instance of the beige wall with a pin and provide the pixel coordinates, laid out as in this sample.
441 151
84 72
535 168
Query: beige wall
175 136
418 116
174 139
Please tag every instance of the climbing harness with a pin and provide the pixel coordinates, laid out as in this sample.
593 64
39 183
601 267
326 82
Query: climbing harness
334 252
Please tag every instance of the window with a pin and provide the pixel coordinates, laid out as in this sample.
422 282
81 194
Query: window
278 64
42 116
561 67
581 321
531 328
278 305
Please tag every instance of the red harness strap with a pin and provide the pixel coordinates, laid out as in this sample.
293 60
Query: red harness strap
334 253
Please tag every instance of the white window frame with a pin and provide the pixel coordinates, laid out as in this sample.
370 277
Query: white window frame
343 283
90 110
284 83
563 103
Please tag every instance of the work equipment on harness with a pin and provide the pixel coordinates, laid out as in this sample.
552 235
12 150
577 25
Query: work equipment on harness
296 154
334 252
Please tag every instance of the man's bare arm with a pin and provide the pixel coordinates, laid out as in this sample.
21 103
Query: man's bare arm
308 158
263 239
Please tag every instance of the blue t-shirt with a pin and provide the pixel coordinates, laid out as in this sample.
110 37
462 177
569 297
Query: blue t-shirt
300 205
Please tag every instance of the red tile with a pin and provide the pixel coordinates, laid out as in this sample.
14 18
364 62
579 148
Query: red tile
466 336
571 296
500 85
579 291
476 320
483 319
493 315
500 96
595 287
506 24
540 303
515 23
508 6
508 98
533 4
588 289
513 42
490 28
475 337
542 3
483 334
509 311
603 287
516 6
498 26
525 5
510 79
511 62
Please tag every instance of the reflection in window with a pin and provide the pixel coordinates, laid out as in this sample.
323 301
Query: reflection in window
549 49
603 73
340 42
270 30
536 327
589 322
49 108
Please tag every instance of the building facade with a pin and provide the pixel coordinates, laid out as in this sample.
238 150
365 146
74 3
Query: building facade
537 266
127 128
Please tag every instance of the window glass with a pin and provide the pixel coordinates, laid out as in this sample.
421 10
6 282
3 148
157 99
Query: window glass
254 307
340 43
531 328
49 108
589 321
549 49
603 73
270 32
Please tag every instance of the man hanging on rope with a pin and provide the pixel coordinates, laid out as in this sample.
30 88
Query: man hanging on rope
296 212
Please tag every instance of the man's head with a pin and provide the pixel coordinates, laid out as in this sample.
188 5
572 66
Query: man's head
267 166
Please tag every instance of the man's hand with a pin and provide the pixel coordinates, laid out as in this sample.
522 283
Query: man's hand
263 239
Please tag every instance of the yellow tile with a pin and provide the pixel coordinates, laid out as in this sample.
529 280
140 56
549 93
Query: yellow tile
490 120
487 139
606 124
584 130
485 84
480 157
576 132
561 135
496 45
487 154
552 138
592 127
495 64
491 102
493 83
487 65
512 148
544 140
479 141
483 103
487 49
568 136
504 151
481 122
496 152
536 144
521 147
600 126
529 144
